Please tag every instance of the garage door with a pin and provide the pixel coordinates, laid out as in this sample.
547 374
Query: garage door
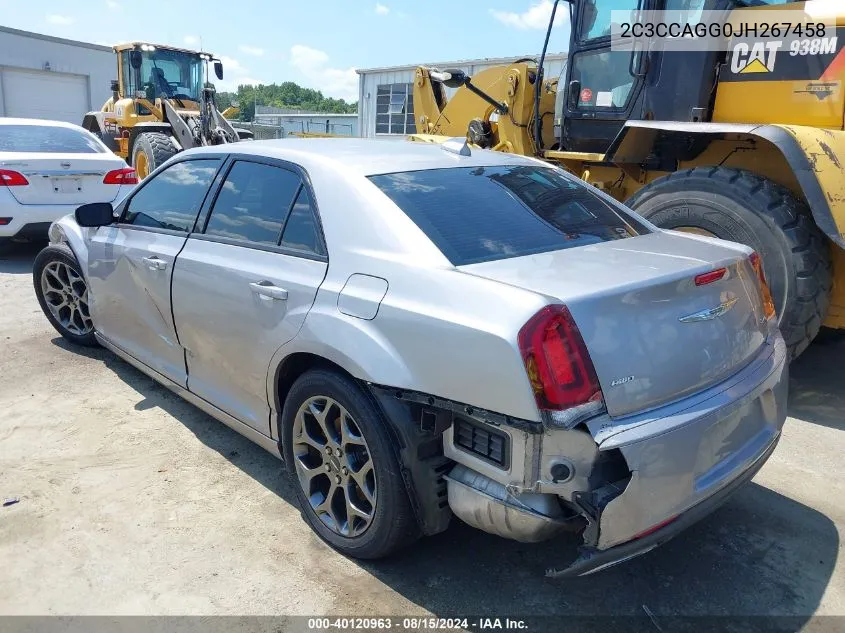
45 95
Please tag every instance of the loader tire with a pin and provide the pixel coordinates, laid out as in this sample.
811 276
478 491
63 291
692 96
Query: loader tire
737 205
151 150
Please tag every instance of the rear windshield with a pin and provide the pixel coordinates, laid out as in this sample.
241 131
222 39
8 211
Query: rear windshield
479 214
48 138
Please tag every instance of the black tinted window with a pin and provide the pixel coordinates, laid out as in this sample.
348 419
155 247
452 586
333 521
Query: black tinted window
47 138
301 230
477 214
172 198
253 203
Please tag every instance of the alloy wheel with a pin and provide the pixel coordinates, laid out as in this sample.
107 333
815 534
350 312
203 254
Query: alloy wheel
66 295
334 466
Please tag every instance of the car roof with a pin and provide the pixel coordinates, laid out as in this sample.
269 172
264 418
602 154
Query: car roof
366 156
43 122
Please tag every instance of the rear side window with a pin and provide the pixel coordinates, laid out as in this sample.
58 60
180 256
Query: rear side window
479 214
172 198
49 139
301 232
253 203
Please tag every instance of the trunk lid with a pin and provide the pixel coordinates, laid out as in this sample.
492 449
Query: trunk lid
62 178
654 336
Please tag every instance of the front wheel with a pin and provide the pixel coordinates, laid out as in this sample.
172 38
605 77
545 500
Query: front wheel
151 150
340 459
741 207
62 293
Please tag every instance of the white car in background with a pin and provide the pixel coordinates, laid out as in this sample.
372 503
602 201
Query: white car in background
47 169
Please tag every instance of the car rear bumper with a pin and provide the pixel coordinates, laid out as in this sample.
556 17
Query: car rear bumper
31 221
682 462
592 559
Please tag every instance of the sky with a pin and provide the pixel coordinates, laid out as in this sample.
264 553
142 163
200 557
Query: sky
316 43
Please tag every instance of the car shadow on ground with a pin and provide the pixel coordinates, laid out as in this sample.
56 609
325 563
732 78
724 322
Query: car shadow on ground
17 259
817 378
760 554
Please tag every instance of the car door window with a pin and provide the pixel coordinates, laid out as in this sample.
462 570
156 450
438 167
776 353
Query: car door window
301 230
172 198
253 203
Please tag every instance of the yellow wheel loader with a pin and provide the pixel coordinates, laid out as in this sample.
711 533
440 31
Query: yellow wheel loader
161 103
745 143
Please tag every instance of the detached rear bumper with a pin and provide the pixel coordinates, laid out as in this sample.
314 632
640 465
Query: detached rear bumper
635 481
592 559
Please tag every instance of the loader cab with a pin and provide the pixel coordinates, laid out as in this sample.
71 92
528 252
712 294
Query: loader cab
604 85
155 72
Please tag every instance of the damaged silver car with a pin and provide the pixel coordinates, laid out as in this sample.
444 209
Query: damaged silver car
427 331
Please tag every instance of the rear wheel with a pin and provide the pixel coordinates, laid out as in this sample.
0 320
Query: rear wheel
150 151
340 459
739 206
62 292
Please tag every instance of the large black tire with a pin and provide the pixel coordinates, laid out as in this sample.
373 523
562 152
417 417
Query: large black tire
76 329
393 525
739 206
153 149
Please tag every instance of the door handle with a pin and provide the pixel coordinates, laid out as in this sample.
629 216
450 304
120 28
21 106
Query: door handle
154 263
267 289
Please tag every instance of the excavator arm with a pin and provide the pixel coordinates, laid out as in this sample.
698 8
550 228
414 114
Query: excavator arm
507 127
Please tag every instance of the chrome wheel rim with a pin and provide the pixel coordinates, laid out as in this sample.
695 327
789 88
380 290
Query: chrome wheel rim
66 295
334 466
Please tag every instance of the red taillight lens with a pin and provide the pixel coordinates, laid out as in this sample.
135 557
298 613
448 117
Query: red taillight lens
768 302
556 359
709 278
126 176
11 178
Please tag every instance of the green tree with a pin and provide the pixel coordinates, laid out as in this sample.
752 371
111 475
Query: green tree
285 95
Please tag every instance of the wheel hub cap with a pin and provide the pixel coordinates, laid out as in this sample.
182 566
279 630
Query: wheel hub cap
66 295
334 466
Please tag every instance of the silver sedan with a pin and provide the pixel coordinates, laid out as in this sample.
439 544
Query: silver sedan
423 331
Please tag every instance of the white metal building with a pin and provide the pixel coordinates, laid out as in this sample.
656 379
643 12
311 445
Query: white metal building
386 95
44 77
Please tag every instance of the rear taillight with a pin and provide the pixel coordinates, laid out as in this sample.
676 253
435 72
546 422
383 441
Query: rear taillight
709 278
768 302
11 178
559 367
125 176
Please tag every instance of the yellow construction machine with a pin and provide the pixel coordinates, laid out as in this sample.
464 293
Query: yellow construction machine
744 143
161 103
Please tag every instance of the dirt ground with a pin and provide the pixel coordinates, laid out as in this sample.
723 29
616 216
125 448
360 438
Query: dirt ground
134 502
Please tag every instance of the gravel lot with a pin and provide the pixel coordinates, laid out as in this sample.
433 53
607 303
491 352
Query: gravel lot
134 502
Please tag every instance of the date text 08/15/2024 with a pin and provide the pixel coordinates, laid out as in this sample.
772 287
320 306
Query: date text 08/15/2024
415 624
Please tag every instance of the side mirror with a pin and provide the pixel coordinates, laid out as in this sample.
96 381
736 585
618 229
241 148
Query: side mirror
218 69
95 214
135 59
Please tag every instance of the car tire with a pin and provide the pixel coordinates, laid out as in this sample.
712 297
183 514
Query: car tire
151 150
739 206
6 245
58 279
323 490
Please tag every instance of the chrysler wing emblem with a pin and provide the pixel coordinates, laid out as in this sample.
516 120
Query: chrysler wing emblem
709 314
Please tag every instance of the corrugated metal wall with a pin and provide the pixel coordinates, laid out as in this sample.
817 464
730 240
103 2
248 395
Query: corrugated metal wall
369 81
